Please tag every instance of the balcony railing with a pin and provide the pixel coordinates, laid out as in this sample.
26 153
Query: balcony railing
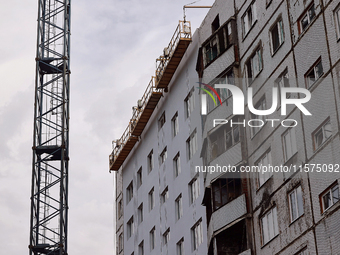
173 54
168 63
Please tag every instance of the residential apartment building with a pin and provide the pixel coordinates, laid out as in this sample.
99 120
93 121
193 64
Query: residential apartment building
257 46
158 198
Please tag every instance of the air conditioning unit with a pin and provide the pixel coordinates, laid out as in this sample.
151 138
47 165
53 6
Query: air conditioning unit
139 103
186 29
166 52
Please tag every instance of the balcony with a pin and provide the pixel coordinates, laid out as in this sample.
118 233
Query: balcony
226 215
168 63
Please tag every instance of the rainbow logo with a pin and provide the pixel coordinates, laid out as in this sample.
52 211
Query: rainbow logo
213 90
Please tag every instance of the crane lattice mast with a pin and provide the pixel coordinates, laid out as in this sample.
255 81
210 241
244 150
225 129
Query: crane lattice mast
49 194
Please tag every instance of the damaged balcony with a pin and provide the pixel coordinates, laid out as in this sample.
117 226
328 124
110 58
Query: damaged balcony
172 55
140 117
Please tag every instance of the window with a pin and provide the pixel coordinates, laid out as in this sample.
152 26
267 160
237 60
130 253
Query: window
248 19
223 93
329 197
314 73
218 42
151 199
180 247
197 235
289 143
129 192
322 134
164 195
152 238
295 203
162 156
211 50
174 125
337 21
224 190
166 236
223 138
276 34
254 65
141 248
189 103
129 228
256 126
283 82
216 24
194 190
161 121
139 178
120 208
269 226
192 144
306 18
178 207
120 243
177 165
140 213
150 161
265 160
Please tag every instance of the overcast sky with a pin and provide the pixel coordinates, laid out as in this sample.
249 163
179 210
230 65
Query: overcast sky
114 44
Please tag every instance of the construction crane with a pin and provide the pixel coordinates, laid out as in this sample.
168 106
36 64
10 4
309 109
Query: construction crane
50 164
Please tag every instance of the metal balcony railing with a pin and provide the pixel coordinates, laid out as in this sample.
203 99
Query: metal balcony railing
182 32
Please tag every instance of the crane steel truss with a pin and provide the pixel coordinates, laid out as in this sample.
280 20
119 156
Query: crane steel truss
49 197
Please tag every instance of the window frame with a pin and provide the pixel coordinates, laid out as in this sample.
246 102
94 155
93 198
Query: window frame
295 204
274 224
120 243
322 129
161 121
251 17
163 155
120 208
255 57
166 236
150 161
189 103
165 195
139 177
194 189
175 125
151 196
129 228
152 238
315 68
306 13
337 21
330 191
293 144
178 207
192 145
177 164
140 214
265 177
197 235
180 247
141 248
129 192
278 25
